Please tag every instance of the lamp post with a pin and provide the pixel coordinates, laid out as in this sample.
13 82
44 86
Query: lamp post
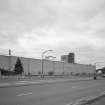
63 68
53 62
42 73
28 67
53 65
10 59
95 77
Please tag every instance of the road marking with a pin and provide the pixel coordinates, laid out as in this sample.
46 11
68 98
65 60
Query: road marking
19 83
77 87
24 94
23 81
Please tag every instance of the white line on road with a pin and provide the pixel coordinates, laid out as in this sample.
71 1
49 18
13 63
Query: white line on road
23 81
24 94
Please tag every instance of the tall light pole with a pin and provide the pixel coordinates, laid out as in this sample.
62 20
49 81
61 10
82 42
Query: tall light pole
52 62
42 73
28 66
10 59
63 67
53 65
95 77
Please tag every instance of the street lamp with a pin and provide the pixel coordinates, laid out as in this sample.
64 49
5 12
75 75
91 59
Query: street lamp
28 66
53 62
63 67
10 59
42 74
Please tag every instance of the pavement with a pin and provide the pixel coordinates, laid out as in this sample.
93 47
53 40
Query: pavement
4 84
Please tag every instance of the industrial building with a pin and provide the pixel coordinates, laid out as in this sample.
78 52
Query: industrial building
70 58
34 66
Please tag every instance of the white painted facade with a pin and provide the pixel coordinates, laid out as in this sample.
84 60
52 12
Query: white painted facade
35 65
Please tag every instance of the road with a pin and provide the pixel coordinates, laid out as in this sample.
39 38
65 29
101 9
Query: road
51 94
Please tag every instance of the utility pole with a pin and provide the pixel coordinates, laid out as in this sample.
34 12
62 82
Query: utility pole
9 52
42 55
9 59
28 66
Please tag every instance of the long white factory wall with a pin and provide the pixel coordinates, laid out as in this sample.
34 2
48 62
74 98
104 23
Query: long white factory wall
35 65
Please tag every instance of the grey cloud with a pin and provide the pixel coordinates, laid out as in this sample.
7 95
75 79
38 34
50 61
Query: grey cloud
8 39
64 17
33 13
27 14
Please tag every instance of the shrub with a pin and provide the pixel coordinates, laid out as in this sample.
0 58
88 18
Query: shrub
50 73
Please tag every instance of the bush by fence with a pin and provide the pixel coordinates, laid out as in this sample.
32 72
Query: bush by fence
7 72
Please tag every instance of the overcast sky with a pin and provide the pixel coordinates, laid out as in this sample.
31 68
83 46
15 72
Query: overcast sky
29 27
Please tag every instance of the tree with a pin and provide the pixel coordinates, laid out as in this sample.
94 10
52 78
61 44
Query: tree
18 67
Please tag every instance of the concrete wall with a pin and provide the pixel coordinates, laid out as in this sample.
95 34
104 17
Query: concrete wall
35 65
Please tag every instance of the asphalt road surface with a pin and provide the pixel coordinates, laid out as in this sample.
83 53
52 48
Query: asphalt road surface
51 94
